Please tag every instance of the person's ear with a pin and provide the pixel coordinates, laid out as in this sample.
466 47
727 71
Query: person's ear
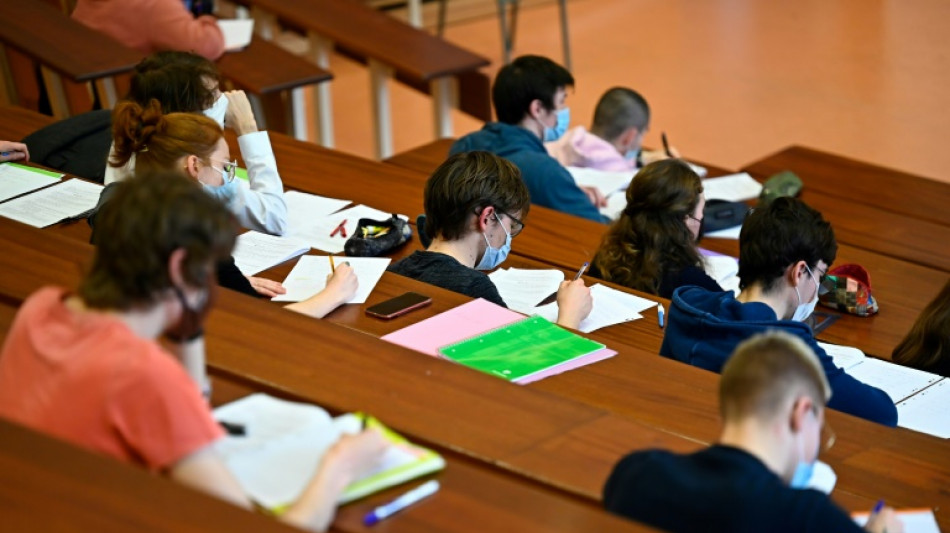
484 218
536 109
801 410
176 267
794 274
629 137
192 166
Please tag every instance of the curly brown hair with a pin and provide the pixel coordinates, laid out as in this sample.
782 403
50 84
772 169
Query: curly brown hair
651 237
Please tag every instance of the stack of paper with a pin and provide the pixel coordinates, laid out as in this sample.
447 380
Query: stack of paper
255 252
16 179
732 188
284 443
317 233
309 276
610 307
53 204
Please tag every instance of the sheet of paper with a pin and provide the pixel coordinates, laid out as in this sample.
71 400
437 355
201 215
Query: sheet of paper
462 322
822 478
19 179
845 357
608 182
318 235
237 33
699 170
897 381
728 233
914 520
927 411
732 188
53 204
616 203
610 307
721 267
255 251
523 289
309 276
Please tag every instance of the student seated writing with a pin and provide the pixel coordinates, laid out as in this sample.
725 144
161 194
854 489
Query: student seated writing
529 97
87 367
621 119
785 250
186 83
772 401
927 345
652 246
194 145
475 204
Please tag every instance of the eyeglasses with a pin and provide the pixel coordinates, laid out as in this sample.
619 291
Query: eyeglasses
825 285
228 169
517 226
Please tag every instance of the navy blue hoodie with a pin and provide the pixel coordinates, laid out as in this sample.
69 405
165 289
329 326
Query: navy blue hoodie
549 183
705 327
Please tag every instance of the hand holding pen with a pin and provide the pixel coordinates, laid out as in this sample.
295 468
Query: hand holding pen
883 520
11 151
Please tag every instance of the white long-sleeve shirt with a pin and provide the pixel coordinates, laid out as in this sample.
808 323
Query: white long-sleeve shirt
258 203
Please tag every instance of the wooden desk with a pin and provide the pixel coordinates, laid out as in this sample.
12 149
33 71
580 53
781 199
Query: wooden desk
39 31
847 179
391 48
543 436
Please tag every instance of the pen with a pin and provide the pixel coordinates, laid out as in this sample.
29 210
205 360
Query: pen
422 491
877 508
332 266
551 298
341 229
660 315
5 154
235 430
666 145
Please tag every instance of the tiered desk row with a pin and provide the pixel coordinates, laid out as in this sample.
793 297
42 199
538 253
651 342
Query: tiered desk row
520 457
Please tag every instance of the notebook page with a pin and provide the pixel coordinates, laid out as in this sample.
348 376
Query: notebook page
53 204
606 181
897 381
844 357
732 188
523 289
19 179
303 209
610 307
255 251
927 411
309 276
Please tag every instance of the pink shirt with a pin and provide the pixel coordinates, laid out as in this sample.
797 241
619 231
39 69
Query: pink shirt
153 25
88 379
580 148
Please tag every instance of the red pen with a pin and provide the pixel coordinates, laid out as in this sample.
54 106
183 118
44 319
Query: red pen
341 229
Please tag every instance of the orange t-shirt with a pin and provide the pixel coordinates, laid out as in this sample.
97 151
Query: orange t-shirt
88 379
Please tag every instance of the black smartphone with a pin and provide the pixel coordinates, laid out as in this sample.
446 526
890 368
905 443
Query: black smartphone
399 305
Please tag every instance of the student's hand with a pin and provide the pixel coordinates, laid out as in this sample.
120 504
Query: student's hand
11 151
574 303
342 284
595 196
649 156
885 521
266 287
355 455
240 116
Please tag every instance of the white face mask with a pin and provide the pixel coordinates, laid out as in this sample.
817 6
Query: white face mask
804 310
218 110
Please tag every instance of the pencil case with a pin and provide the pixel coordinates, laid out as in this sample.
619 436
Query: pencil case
373 238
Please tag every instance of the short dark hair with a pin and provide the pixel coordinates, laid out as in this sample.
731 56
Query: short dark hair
465 184
148 218
618 110
783 233
526 79
178 80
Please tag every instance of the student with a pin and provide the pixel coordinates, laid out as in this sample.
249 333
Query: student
152 25
772 401
529 96
652 246
475 204
927 345
87 367
613 143
187 83
12 151
785 250
194 145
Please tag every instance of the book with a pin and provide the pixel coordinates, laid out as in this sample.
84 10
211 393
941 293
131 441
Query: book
520 350
285 441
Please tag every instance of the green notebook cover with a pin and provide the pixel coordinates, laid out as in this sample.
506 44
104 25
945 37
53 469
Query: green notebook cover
520 349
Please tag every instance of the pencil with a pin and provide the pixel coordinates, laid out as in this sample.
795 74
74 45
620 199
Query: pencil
332 266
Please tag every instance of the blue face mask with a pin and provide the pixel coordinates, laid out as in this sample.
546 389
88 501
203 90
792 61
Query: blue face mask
632 155
559 129
225 192
802 475
495 256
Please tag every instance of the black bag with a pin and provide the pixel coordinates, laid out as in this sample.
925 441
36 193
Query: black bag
720 214
373 238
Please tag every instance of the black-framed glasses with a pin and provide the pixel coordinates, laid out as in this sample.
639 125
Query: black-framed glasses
825 285
517 226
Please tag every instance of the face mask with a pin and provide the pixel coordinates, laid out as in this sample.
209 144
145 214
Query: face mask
803 470
495 256
632 155
223 192
560 128
191 324
218 110
804 310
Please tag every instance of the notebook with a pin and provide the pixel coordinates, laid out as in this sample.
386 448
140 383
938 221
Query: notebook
16 179
285 442
520 350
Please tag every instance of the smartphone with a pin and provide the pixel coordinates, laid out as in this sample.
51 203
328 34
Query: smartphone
399 305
